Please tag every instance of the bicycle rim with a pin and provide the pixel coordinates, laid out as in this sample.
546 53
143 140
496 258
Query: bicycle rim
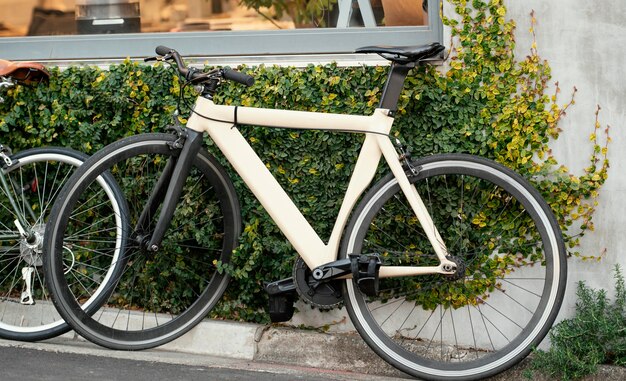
498 227
156 296
35 179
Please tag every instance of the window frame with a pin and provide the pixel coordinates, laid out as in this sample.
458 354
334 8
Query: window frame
325 41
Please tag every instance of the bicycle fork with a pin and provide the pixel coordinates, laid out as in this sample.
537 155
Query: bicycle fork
168 190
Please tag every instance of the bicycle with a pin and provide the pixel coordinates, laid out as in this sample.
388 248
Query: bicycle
29 183
450 267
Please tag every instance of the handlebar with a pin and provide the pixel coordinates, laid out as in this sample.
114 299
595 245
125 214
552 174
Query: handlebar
238 77
194 75
164 50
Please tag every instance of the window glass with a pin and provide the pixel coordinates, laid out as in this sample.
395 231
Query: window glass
71 17
107 30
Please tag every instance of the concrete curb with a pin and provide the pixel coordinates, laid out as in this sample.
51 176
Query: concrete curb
219 338
282 344
337 351
343 351
253 343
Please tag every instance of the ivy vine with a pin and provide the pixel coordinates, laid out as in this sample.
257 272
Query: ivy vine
514 106
483 101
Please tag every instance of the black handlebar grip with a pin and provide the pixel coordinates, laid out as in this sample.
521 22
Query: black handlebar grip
239 77
163 50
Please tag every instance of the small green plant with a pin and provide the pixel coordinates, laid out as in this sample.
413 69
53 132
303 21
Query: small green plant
595 335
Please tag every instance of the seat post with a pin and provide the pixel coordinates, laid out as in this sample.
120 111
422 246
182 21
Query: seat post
394 85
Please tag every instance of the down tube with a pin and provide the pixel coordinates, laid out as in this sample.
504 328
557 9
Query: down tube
277 202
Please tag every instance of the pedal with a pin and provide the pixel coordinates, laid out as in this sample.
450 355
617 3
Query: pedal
281 298
365 272
281 308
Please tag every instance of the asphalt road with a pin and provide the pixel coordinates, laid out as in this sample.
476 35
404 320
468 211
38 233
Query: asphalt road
41 362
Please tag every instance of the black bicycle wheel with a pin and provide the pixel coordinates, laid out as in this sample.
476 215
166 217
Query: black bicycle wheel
499 229
157 296
33 181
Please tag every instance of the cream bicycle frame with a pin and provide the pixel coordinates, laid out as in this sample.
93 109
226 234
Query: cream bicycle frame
224 131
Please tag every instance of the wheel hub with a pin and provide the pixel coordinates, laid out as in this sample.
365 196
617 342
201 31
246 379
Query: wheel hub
31 252
460 268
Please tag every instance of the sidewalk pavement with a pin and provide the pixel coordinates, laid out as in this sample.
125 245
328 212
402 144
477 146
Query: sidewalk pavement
284 345
236 345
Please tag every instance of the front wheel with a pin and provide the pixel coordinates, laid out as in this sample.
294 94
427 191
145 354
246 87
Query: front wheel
496 226
155 296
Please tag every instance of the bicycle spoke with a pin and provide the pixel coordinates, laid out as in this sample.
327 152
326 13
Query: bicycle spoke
144 288
448 322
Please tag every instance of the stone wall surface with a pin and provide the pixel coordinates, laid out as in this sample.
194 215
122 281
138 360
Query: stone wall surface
584 42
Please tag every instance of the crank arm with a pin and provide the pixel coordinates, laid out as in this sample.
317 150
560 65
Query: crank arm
446 268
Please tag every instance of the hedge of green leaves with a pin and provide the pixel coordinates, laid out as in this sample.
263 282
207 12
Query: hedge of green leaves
483 101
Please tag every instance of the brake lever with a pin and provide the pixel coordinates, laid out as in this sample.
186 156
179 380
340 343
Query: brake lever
158 58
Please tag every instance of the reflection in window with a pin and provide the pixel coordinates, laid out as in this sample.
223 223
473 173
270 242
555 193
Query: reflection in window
64 17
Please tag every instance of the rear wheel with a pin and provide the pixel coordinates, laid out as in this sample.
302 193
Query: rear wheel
34 180
499 229
157 296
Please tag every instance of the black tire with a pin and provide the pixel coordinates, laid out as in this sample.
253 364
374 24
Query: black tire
35 178
498 226
157 296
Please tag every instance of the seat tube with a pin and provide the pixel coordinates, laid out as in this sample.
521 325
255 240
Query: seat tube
394 86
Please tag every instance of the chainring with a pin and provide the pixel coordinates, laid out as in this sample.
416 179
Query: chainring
324 295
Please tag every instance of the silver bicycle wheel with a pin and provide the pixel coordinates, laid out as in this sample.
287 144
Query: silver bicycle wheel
499 229
34 180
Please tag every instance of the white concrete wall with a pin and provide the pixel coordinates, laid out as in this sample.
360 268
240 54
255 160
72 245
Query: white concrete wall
585 43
